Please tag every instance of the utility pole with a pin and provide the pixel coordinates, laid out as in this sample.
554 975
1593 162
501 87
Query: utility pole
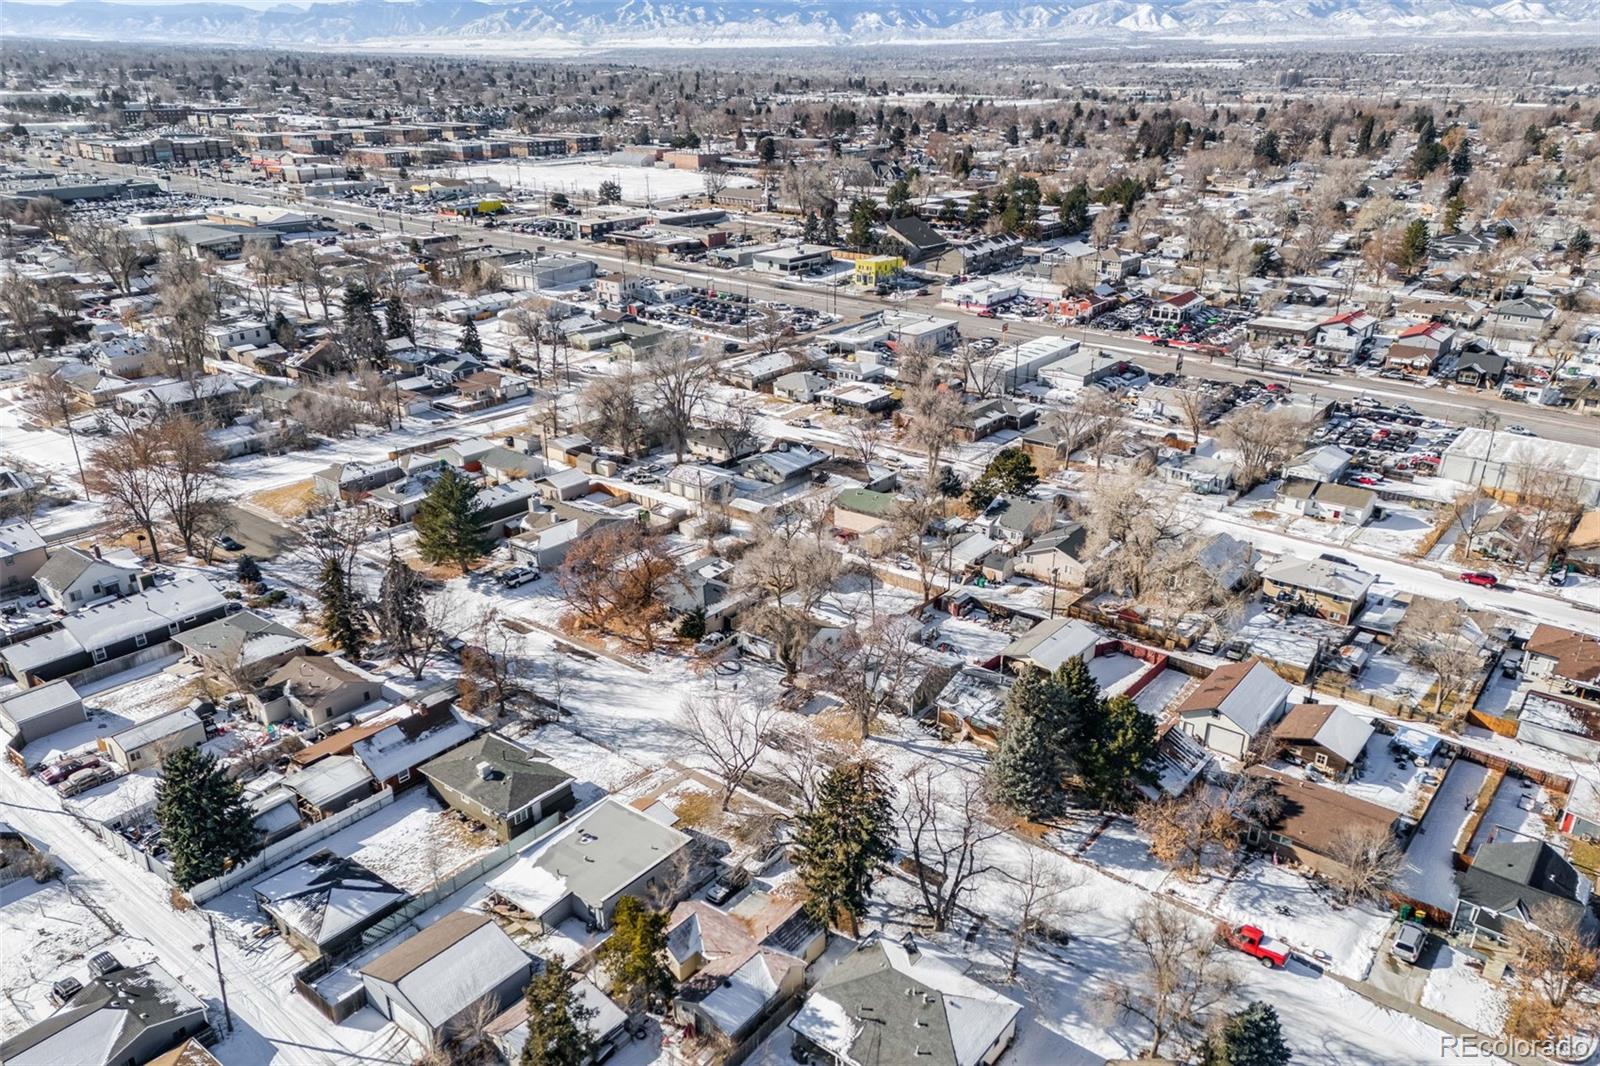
216 959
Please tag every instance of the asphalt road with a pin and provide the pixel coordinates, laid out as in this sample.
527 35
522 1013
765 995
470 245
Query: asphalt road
262 537
1437 402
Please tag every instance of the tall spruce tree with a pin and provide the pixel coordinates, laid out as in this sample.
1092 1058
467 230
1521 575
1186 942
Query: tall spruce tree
632 954
360 335
1025 773
471 343
558 1021
447 523
341 611
1252 1036
397 318
841 841
1116 748
204 819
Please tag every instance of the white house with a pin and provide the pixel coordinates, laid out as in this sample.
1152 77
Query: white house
1233 705
429 983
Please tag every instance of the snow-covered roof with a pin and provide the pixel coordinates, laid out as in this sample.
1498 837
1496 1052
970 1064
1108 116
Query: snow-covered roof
157 729
40 700
741 996
450 965
873 982
18 537
329 779
327 896
1248 694
1054 641
395 749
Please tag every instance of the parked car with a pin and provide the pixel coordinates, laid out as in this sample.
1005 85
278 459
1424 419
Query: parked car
711 642
64 769
1409 942
518 576
227 543
1258 945
85 779
727 885
1480 578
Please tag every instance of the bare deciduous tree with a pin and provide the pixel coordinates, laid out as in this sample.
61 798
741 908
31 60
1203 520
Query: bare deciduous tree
946 829
678 377
1041 901
1366 861
1184 975
1434 634
1263 441
731 733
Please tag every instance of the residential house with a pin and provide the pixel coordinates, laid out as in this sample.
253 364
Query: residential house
788 463
1209 475
396 750
486 388
1320 587
1018 519
316 691
1345 336
123 1017
1564 661
349 482
1500 534
721 444
144 745
609 851
862 511
563 485
324 903
1049 644
125 627
22 554
507 788
1327 501
73 577
1326 463
1324 736
37 712
887 1000
801 386
1523 315
1516 881
1480 367
429 983
701 483
1229 560
1233 705
734 972
1418 349
212 394
1311 819
1057 557
241 647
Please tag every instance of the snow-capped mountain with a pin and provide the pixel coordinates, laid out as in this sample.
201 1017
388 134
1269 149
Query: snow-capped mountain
563 24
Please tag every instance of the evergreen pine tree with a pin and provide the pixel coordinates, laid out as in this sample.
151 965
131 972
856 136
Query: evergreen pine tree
341 614
841 841
558 1021
1025 773
397 317
471 343
447 523
204 819
247 570
632 954
1414 245
1117 746
1250 1037
812 233
360 336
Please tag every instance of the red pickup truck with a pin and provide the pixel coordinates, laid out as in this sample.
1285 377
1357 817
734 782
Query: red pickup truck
1252 941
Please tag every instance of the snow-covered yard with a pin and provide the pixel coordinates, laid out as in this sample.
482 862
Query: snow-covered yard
1428 875
45 931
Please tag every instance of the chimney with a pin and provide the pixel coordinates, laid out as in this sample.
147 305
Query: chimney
909 942
96 549
485 771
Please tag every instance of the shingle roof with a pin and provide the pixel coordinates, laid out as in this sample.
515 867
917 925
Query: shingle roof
516 776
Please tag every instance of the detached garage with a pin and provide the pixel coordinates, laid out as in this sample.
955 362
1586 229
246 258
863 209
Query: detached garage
38 712
427 985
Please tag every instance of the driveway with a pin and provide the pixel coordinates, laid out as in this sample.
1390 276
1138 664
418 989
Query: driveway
1397 977
262 537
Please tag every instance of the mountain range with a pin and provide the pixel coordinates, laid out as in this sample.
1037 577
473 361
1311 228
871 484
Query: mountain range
567 26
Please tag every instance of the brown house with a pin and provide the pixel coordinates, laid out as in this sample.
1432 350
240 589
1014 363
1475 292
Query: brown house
1322 735
1311 820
